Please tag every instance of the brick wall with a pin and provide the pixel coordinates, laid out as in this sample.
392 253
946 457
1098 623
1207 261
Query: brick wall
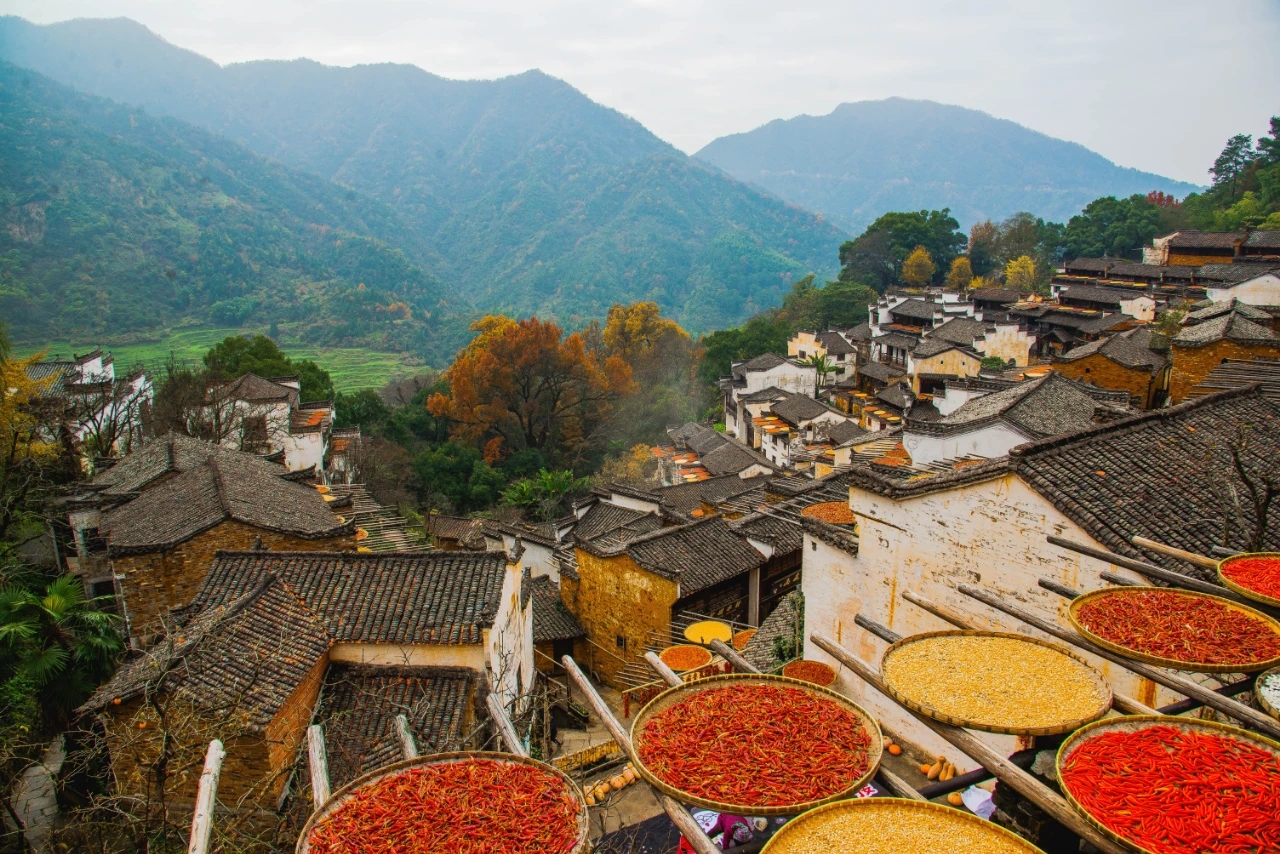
1192 364
289 726
1101 371
616 598
154 583
1180 259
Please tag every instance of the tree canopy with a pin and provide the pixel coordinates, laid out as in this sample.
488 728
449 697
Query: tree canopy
890 240
237 355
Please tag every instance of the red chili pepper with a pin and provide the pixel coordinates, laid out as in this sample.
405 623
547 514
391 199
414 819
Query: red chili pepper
480 806
1259 574
756 745
1175 792
1180 626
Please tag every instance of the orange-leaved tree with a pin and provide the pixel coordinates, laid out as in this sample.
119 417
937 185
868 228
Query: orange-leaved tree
664 361
529 385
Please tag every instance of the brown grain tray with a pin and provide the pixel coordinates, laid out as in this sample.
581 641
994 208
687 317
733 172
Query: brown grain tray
1190 666
1136 722
1245 591
903 694
1262 701
340 797
672 696
890 812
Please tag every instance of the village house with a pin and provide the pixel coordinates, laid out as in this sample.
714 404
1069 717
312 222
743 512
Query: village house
147 528
1001 338
1125 361
265 416
1260 288
698 452
1159 474
789 422
103 413
767 371
274 640
1211 336
1261 246
832 344
455 533
1133 303
1195 248
556 631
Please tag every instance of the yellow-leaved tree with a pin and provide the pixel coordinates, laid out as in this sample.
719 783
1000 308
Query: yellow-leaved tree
960 274
919 268
27 438
1020 273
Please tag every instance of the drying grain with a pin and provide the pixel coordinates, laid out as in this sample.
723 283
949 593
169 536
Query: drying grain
889 826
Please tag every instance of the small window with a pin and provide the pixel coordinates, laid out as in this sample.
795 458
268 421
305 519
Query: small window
621 642
104 588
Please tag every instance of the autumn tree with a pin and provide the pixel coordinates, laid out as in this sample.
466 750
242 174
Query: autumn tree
960 274
29 446
664 363
527 384
983 237
1020 273
919 268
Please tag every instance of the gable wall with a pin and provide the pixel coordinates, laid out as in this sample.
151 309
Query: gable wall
1192 364
616 598
1101 371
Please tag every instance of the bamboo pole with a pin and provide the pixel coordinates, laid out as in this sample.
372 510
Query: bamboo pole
1181 554
731 655
1004 770
319 764
505 727
206 798
408 746
668 675
679 816
1182 685
1126 704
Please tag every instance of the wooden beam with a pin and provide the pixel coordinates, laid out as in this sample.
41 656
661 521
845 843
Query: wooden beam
319 764
1128 705
206 799
408 746
1183 686
731 655
1180 554
1004 770
668 675
679 816
505 727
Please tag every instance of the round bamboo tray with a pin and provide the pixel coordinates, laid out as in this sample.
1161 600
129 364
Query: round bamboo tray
704 656
1132 723
1269 708
340 797
742 638
671 696
1245 591
904 697
708 630
887 815
1176 664
828 672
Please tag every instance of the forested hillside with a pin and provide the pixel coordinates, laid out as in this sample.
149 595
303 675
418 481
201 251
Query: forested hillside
118 222
533 197
865 158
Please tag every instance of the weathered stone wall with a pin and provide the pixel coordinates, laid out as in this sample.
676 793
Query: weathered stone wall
1179 259
989 534
289 726
154 583
955 363
617 599
1101 371
1192 364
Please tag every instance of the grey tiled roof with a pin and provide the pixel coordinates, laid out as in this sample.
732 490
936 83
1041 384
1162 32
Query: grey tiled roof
389 597
897 396
1233 327
998 295
1231 274
1192 239
699 555
1104 296
1218 309
834 343
729 458
843 431
934 346
248 654
1048 406
784 535
217 490
359 704
1154 474
1131 349
798 408
604 517
915 309
467 532
781 624
861 332
763 362
883 373
959 330
254 388
1263 240
896 339
552 621
770 393
1098 325
167 455
684 498
1091 265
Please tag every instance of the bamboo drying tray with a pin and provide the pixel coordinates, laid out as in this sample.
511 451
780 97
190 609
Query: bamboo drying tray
1245 591
828 671
742 638
672 696
704 656
1175 664
706 631
340 797
891 810
1262 701
1133 723
904 697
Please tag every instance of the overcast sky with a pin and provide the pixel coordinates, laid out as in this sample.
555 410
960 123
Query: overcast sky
1155 85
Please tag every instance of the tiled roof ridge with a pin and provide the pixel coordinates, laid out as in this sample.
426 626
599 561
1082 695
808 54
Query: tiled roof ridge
363 556
1030 449
219 487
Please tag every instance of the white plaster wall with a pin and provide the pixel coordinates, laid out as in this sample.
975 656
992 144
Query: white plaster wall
303 450
990 534
991 440
1263 290
955 398
1141 308
789 377
509 644
536 558
633 503
1007 342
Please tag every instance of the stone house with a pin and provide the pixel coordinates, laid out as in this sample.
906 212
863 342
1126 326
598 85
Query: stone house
275 640
841 353
1152 475
768 370
146 529
1195 248
628 589
1123 361
1002 338
937 360
1132 302
1211 336
266 416
1258 290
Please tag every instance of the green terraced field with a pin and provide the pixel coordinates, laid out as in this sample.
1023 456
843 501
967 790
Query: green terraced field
352 368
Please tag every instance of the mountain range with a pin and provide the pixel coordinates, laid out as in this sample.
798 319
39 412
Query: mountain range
869 157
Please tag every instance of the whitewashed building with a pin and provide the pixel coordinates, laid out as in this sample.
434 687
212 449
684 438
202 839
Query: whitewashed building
265 416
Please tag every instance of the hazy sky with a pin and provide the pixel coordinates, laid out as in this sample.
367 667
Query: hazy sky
1155 85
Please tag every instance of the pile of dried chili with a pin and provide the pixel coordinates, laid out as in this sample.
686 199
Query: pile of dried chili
480 806
810 671
1180 626
1175 792
1260 574
756 745
685 657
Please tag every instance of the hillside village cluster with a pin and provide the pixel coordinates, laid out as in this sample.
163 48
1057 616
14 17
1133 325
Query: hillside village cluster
263 592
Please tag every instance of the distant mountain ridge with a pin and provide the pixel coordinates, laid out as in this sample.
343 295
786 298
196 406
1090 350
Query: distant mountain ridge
531 197
869 157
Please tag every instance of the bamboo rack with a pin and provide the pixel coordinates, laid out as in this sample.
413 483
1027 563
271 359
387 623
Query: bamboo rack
206 799
505 727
